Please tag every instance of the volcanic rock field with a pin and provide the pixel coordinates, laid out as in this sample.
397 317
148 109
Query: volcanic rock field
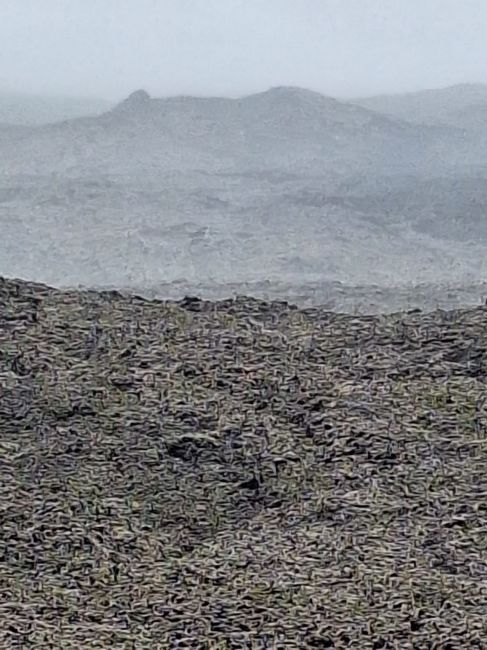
239 474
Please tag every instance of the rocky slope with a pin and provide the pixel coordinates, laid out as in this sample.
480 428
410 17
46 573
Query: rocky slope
239 474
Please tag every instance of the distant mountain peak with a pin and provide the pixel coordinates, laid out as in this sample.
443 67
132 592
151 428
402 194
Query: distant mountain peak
287 89
291 91
290 96
134 100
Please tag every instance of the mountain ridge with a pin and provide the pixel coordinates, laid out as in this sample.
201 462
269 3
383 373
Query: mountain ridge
431 105
283 126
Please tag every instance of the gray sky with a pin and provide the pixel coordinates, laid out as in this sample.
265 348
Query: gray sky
232 47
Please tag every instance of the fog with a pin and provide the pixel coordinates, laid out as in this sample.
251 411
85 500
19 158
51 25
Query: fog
107 48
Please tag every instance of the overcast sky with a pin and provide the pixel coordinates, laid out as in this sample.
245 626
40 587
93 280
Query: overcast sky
231 47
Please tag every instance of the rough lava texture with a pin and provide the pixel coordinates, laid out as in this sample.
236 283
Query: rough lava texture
239 474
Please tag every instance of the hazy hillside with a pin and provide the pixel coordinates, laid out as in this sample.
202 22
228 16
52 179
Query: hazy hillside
285 186
22 108
285 128
448 208
462 105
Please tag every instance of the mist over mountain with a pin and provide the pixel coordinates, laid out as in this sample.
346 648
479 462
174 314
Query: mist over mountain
284 186
28 109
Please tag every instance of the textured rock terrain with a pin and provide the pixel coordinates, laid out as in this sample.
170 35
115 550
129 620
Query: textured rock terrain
239 474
